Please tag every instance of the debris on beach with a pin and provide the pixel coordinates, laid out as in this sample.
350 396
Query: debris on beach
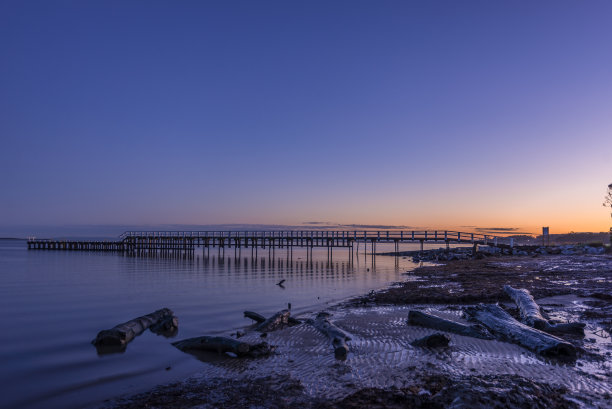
223 345
162 322
500 355
501 324
531 314
435 340
337 336
167 326
480 252
277 321
441 324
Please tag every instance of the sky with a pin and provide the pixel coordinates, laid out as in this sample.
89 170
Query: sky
424 114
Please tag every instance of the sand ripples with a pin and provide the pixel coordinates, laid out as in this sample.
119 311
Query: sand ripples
381 356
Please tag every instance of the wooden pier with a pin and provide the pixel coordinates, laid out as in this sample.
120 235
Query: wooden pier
73 245
185 242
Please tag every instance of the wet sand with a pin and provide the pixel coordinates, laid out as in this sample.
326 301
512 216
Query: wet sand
384 370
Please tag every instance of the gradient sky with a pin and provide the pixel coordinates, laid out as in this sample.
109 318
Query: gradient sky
420 113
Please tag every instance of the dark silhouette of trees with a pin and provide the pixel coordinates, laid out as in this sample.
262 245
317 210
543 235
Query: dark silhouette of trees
608 202
608 198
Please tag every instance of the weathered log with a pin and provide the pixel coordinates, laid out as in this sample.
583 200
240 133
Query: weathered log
336 335
441 324
294 321
166 326
432 341
260 318
218 344
529 310
223 344
254 316
122 334
532 315
277 321
501 324
566 328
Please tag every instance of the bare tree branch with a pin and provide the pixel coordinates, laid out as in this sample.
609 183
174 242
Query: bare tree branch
608 198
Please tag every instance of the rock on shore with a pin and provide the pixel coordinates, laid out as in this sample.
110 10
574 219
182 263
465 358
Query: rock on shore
466 253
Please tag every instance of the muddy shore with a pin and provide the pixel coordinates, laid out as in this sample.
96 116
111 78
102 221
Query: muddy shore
384 371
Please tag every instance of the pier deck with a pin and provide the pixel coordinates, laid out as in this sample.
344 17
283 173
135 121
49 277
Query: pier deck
188 241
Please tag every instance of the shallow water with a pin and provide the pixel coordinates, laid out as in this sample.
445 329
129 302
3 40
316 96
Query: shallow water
55 303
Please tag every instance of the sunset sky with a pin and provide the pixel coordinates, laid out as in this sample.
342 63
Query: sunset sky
426 114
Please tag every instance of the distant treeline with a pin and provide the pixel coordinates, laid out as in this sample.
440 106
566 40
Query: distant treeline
561 239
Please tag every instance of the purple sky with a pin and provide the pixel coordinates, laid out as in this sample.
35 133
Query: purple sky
419 113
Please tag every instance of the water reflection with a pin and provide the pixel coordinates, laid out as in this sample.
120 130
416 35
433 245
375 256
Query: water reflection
323 259
70 296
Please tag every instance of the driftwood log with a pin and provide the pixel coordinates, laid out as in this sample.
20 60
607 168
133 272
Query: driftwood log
432 341
120 335
278 321
441 324
336 335
529 310
166 326
532 315
576 328
294 321
254 316
223 344
501 324
260 318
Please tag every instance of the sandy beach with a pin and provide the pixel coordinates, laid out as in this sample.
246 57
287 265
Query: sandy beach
383 369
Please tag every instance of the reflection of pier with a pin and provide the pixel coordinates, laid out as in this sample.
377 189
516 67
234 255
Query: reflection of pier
185 242
279 265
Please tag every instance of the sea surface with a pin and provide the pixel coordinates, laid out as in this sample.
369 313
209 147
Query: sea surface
55 302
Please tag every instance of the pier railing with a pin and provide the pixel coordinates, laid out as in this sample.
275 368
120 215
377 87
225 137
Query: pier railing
187 241
381 236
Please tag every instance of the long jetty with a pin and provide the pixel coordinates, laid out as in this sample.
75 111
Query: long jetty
135 242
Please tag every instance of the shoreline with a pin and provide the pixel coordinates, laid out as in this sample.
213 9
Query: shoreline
292 376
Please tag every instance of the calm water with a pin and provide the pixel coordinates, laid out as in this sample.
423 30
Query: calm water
56 302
